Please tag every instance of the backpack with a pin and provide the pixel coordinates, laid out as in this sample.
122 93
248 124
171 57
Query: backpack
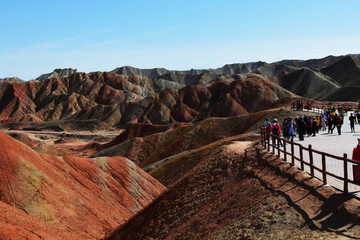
339 122
275 129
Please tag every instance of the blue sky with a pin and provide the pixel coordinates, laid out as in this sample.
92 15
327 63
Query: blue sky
39 36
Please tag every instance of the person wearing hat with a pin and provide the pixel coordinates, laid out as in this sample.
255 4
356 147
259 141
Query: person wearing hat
356 152
276 131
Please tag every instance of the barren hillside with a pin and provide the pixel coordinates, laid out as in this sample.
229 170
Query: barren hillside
67 197
161 154
228 195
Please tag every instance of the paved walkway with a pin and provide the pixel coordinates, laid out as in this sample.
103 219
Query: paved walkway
336 145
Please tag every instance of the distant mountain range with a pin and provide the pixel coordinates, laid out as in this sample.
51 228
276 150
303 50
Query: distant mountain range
228 69
123 100
11 79
128 95
330 78
66 72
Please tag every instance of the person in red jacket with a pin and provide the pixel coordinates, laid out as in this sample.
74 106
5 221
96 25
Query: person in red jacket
276 130
356 157
356 152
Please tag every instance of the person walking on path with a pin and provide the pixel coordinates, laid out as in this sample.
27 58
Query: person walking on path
333 119
276 131
301 127
339 123
352 122
291 128
268 128
285 128
314 127
307 122
356 152
330 124
323 123
317 118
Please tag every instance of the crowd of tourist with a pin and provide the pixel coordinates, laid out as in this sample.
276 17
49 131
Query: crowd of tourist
303 125
309 126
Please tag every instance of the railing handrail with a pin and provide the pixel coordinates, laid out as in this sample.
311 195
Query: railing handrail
314 150
265 140
317 108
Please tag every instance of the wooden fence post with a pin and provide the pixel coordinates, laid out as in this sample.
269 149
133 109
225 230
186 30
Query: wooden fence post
311 161
324 168
284 150
265 138
273 143
292 152
278 145
301 158
345 174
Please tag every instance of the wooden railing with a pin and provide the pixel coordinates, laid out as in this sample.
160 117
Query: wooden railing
321 108
280 145
318 110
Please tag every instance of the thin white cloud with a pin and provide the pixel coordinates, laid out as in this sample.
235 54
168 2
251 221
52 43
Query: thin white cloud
105 43
111 42
62 42
52 44
161 30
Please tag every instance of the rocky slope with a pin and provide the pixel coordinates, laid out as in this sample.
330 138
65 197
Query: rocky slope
338 81
345 71
229 196
49 197
11 79
57 73
313 63
148 144
309 83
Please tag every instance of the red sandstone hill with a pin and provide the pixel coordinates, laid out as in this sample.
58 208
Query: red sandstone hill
235 95
149 149
79 96
139 130
124 100
49 197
